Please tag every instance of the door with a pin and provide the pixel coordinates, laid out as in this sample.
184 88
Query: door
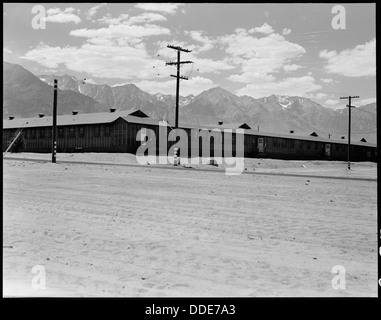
327 149
260 145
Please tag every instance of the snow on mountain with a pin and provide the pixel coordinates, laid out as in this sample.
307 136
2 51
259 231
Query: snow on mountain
275 113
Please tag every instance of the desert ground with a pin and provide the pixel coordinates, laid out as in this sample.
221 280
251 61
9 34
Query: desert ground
142 231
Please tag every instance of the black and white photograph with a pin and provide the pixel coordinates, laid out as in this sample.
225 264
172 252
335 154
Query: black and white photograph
190 150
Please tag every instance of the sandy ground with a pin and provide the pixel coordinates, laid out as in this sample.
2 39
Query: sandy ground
366 170
140 231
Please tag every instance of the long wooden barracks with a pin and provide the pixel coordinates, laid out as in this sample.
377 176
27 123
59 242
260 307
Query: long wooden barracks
115 131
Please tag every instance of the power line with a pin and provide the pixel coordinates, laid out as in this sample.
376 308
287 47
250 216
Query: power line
329 31
189 73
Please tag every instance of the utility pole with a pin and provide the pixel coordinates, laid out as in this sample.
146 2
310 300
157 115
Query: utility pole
349 127
178 77
54 130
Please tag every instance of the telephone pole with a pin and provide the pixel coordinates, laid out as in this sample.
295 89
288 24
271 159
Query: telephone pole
54 130
349 126
178 77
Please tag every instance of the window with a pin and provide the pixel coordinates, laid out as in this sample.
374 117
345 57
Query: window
284 143
71 132
308 144
96 131
107 131
42 133
275 142
81 132
33 134
60 132
292 144
316 145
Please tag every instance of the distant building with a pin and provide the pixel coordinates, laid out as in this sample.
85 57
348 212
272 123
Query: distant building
115 131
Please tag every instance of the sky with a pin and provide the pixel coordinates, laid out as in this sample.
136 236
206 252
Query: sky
318 51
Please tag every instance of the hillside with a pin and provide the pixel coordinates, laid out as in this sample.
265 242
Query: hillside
27 95
123 97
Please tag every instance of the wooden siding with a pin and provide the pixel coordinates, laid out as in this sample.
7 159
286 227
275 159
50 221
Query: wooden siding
120 136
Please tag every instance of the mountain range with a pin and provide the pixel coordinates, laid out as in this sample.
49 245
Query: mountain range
26 95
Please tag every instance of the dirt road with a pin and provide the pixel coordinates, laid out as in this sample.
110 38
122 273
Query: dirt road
125 231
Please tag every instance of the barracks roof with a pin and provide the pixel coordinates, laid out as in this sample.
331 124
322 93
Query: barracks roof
79 119
137 116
